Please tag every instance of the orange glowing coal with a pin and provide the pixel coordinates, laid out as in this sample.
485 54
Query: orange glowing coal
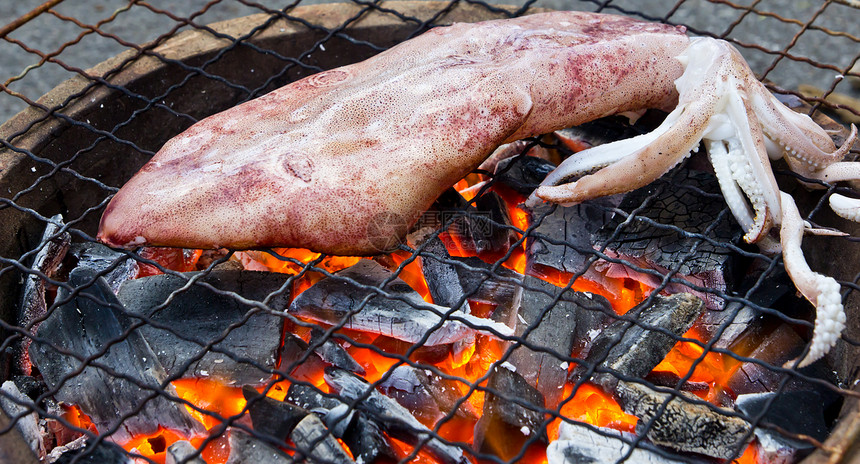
380 354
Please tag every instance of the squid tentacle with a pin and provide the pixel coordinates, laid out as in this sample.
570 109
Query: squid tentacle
821 291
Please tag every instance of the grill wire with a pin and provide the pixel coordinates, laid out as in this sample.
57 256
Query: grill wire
47 41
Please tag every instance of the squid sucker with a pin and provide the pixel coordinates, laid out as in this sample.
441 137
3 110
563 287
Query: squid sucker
345 160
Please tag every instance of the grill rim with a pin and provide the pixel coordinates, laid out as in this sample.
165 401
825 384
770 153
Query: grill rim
34 136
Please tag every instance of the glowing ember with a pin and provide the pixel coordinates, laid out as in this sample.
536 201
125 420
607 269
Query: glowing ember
378 355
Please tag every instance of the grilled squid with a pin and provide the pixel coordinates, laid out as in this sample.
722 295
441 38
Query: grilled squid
346 160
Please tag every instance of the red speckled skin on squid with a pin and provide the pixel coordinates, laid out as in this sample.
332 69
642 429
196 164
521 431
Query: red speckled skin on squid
339 159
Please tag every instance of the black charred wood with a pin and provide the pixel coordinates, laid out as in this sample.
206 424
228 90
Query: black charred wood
633 346
15 405
671 380
245 448
442 278
513 410
427 395
552 320
668 211
393 418
91 320
115 267
351 298
104 452
316 444
679 423
795 412
490 225
578 444
501 287
198 315
361 434
296 361
564 237
183 452
607 130
522 174
270 416
33 309
332 353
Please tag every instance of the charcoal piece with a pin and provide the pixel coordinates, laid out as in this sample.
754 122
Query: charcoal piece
19 408
270 416
245 448
316 444
115 267
442 278
774 348
13 447
797 412
334 354
564 236
33 309
391 417
103 453
687 200
478 229
490 225
633 349
606 130
347 298
183 452
427 395
522 174
683 425
361 435
501 287
116 389
738 317
513 410
578 444
671 379
296 363
553 319
198 315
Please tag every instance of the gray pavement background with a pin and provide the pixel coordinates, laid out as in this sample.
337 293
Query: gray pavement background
22 71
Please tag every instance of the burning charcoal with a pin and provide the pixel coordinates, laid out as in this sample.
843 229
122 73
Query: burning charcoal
797 412
245 448
393 418
425 394
183 452
513 410
778 287
522 174
578 444
671 379
334 354
688 200
479 228
679 424
554 319
16 406
117 388
773 348
296 363
272 417
633 349
360 434
404 316
115 267
501 287
33 306
563 240
103 453
442 278
490 226
314 442
196 316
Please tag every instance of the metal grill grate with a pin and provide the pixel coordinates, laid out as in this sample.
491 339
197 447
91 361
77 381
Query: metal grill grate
69 151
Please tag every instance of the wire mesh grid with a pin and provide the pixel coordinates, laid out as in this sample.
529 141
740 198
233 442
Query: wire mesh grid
69 155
